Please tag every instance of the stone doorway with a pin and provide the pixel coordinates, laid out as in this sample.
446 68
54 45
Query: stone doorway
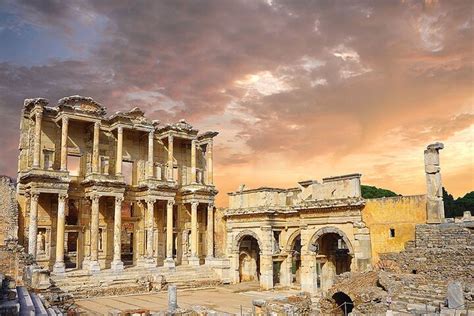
70 251
127 243
249 259
296 261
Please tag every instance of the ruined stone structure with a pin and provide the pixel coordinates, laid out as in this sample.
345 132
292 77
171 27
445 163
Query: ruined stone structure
435 205
8 211
100 192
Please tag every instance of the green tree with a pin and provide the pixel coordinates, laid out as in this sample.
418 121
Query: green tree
456 207
371 192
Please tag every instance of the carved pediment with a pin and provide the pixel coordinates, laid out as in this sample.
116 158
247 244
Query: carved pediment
82 104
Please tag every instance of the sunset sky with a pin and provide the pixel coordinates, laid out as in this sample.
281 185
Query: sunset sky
298 90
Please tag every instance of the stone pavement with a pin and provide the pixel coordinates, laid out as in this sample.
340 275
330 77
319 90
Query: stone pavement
224 299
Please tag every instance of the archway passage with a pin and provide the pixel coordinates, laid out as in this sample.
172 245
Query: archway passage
249 259
344 302
296 260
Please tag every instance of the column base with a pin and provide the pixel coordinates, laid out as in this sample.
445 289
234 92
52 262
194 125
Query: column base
59 268
193 261
116 266
209 261
150 263
169 263
94 267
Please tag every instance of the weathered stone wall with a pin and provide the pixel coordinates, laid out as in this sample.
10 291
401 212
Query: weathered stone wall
400 213
8 210
219 233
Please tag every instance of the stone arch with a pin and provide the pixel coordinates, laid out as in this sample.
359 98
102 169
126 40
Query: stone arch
241 235
328 230
291 240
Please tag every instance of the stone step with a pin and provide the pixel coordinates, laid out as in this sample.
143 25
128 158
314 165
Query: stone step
26 303
39 307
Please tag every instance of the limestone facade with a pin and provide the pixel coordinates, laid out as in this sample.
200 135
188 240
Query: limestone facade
98 191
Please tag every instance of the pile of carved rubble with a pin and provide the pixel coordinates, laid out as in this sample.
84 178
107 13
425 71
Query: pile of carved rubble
299 304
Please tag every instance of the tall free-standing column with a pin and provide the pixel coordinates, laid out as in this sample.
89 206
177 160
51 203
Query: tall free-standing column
194 260
64 128
170 157
169 262
33 227
37 144
118 160
117 264
193 161
94 263
151 136
210 231
149 228
95 148
210 175
59 266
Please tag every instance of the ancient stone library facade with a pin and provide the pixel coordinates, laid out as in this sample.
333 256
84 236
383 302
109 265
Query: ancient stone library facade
100 192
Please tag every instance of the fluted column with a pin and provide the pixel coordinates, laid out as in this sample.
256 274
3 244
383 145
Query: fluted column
37 143
210 231
170 157
151 136
117 264
194 260
193 161
118 160
59 266
210 175
95 148
149 228
64 131
94 263
33 226
169 262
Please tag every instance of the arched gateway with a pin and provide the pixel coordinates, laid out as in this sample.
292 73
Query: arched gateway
247 246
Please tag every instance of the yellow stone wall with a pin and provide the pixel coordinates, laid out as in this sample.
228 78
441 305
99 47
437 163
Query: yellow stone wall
400 213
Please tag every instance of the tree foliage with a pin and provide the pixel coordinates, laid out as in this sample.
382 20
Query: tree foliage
371 192
456 207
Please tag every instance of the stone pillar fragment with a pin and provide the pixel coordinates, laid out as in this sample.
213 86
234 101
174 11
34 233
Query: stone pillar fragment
95 148
94 265
118 160
266 272
434 196
172 298
64 132
33 225
169 262
194 259
210 175
210 232
193 161
150 154
37 143
170 158
59 266
117 264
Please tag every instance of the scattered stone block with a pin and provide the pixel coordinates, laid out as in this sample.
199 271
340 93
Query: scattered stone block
455 295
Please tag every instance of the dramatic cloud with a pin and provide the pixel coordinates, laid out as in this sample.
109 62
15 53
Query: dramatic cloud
298 89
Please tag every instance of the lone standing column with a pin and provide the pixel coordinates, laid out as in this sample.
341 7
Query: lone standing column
95 148
193 161
169 262
194 260
149 228
117 264
37 144
59 266
33 227
170 158
94 263
118 160
64 128
434 203
210 175
210 232
150 154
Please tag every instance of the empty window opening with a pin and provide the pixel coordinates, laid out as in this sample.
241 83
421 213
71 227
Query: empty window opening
392 232
127 172
74 165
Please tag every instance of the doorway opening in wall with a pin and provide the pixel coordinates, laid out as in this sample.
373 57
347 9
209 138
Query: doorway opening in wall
127 243
276 272
344 303
70 253
249 259
296 261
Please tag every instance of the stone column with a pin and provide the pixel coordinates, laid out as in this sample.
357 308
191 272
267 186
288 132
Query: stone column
95 148
37 143
118 159
170 158
434 196
94 265
150 262
266 271
193 161
117 264
150 154
64 128
59 266
33 227
210 232
194 259
169 262
210 179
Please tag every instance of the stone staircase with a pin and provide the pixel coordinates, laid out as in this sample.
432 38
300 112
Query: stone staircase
81 284
420 296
